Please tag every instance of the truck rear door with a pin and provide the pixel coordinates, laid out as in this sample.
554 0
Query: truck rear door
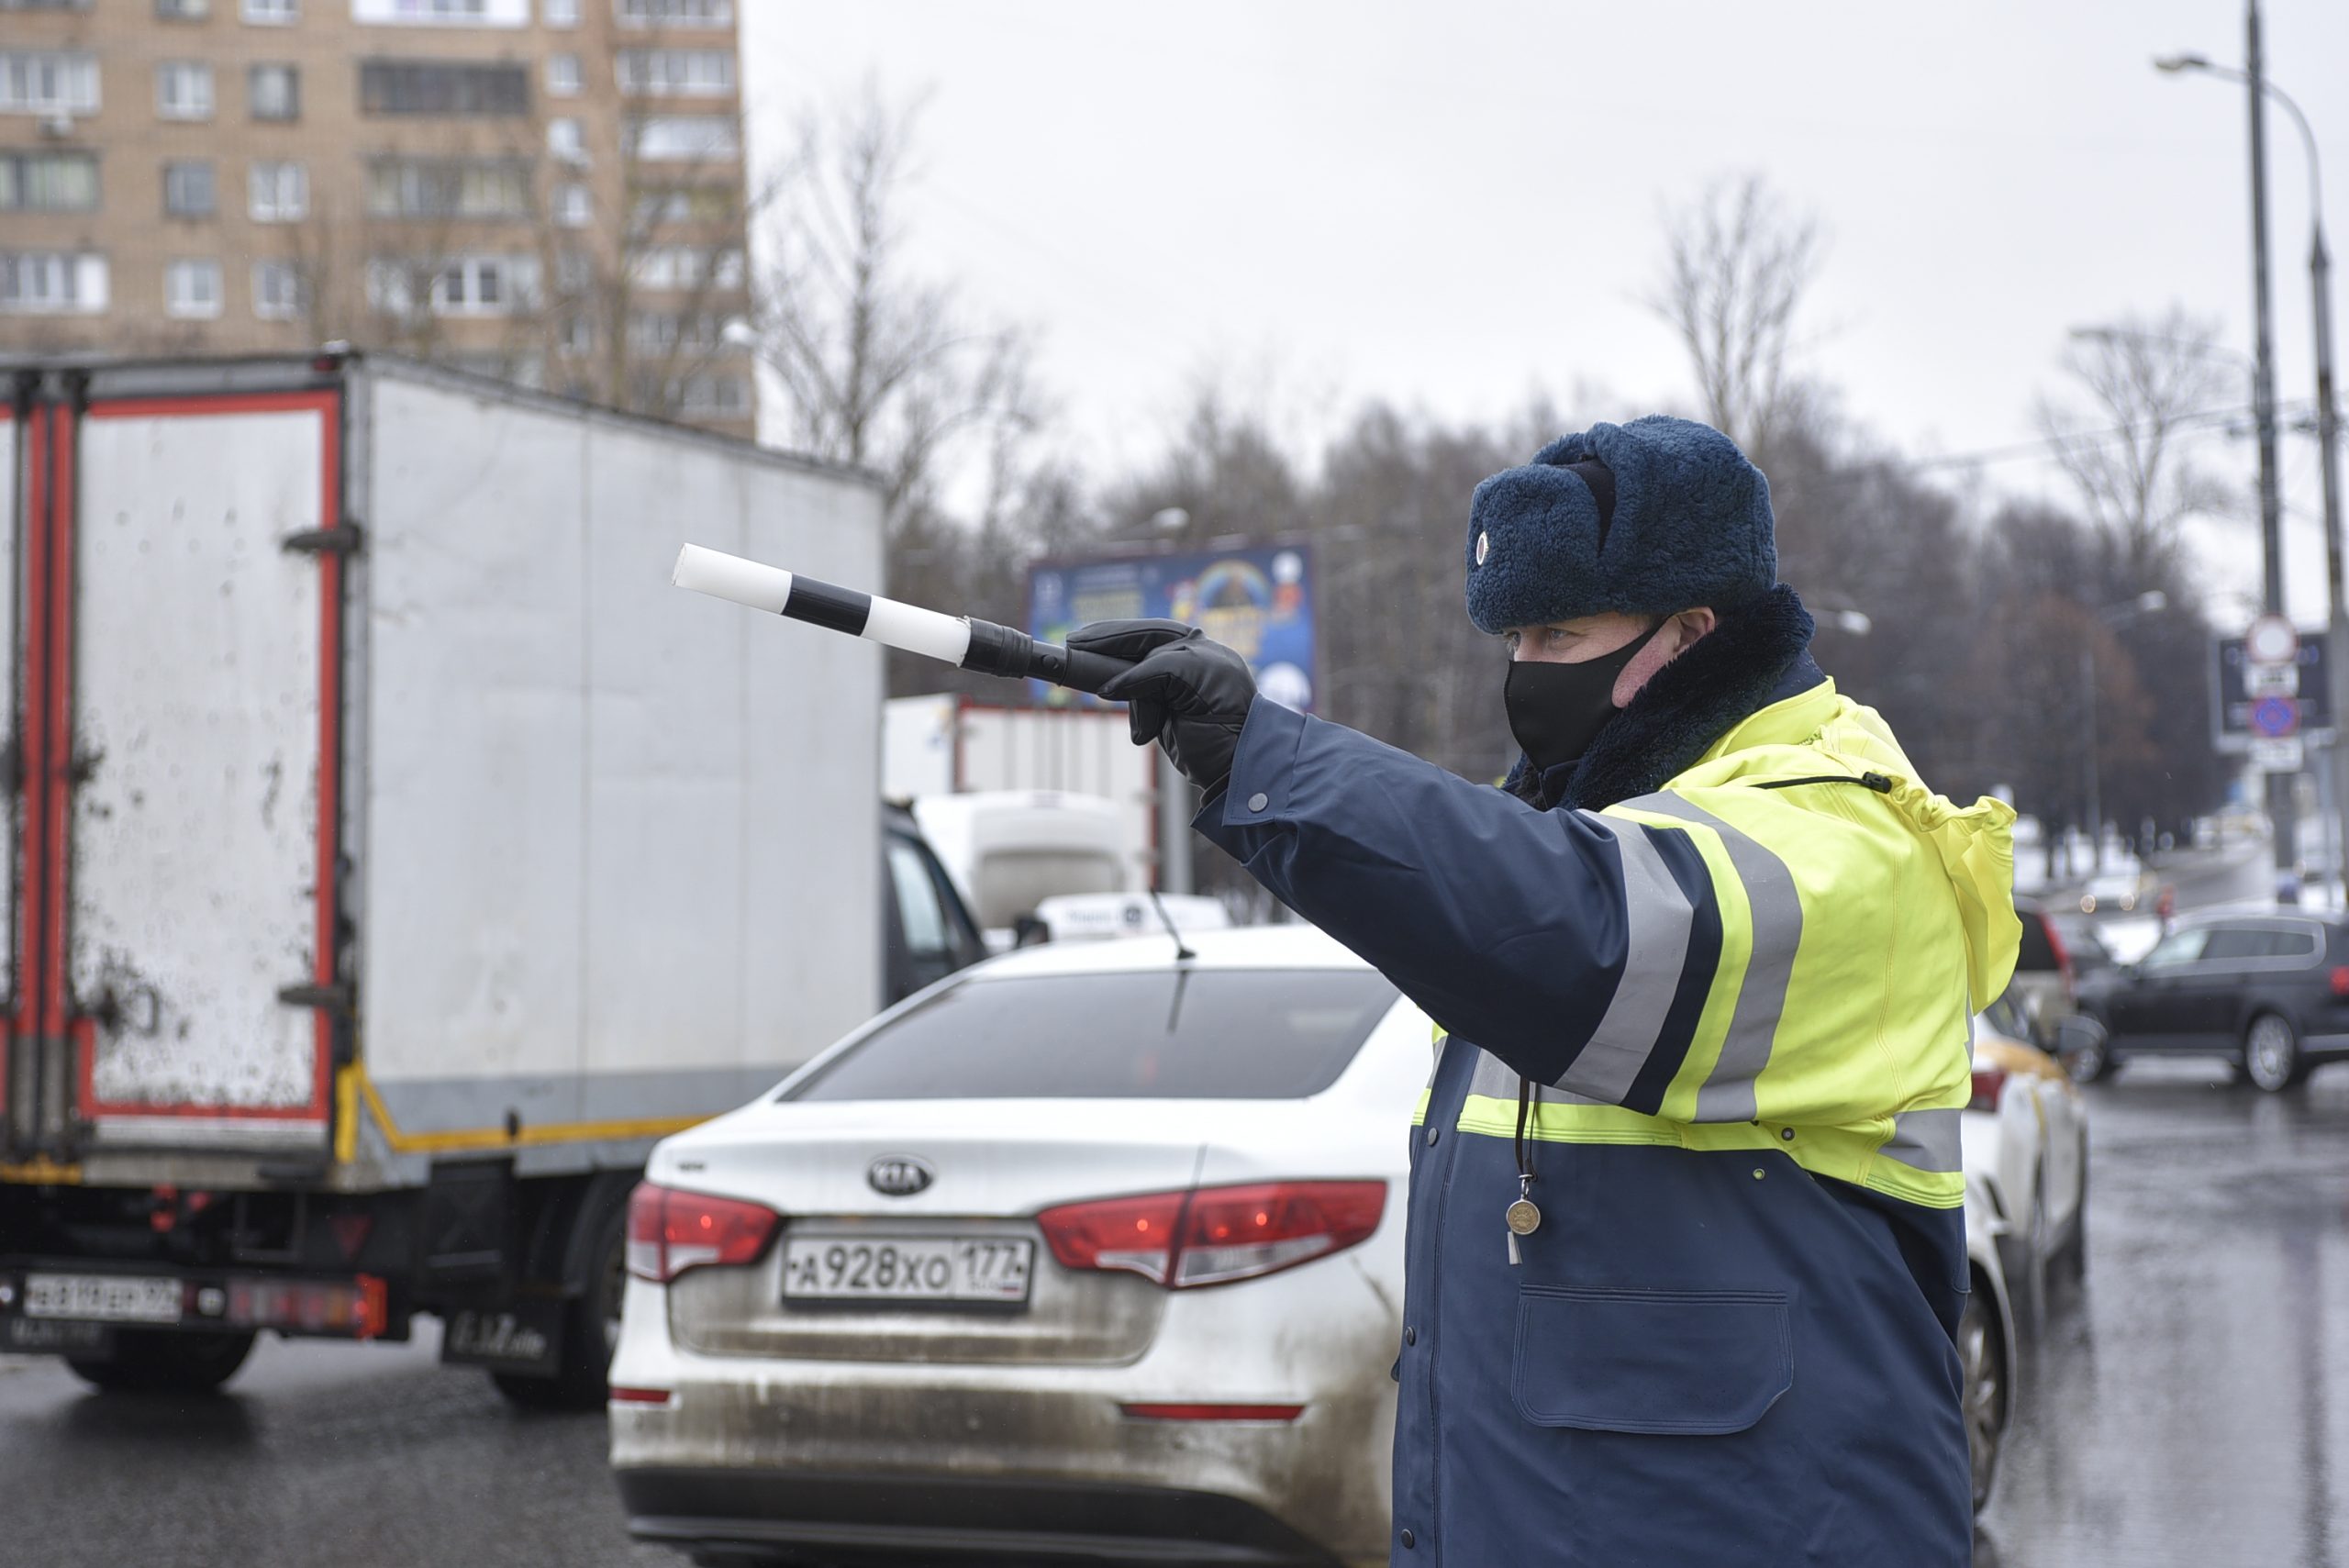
182 678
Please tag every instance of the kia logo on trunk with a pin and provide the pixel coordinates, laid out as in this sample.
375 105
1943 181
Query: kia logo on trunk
899 1175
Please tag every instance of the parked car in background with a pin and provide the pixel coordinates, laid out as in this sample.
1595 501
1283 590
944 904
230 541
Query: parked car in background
2268 993
927 932
1081 1255
2026 1132
2114 891
1097 917
1986 1340
2084 944
2044 985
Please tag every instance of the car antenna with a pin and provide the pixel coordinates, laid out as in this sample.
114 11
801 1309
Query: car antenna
1182 954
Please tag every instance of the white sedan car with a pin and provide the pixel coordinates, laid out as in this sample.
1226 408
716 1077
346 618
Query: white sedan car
1079 1255
2027 1132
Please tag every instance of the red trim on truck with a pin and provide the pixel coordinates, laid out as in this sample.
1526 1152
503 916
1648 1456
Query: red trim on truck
327 405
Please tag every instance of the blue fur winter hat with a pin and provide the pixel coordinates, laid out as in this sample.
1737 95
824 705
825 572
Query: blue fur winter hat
1655 516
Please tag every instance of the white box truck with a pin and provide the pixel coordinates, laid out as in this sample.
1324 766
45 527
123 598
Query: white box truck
395 855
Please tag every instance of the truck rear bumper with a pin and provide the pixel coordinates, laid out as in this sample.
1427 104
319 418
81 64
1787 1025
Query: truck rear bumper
71 1307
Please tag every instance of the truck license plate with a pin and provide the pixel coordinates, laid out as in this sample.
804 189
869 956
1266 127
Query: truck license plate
906 1268
105 1298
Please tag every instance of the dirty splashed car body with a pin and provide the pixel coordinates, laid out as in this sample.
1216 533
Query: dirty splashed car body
1144 1306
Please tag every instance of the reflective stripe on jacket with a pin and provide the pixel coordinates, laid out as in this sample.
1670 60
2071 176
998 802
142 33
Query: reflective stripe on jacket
1745 1001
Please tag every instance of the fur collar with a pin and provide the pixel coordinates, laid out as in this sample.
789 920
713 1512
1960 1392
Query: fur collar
1758 654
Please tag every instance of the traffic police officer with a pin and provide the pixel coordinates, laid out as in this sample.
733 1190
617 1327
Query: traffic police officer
1686 1248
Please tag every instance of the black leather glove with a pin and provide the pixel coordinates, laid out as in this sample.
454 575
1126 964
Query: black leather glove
1188 693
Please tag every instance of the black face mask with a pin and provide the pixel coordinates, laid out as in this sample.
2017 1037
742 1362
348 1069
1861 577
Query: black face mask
1557 710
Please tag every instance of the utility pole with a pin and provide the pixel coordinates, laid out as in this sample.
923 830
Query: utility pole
2282 788
2336 642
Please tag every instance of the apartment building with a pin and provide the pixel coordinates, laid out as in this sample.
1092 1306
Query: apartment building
547 190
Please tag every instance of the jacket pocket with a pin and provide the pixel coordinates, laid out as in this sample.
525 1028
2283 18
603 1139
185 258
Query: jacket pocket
1694 1363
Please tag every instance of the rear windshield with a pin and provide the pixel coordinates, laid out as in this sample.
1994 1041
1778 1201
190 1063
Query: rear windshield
1157 1034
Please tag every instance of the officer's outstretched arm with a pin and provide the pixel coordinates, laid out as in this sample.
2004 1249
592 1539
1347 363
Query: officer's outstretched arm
1579 948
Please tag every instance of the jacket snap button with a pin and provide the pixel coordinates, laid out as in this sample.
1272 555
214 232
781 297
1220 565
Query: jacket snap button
1430 1136
1410 1335
1788 1133
1258 801
1408 1540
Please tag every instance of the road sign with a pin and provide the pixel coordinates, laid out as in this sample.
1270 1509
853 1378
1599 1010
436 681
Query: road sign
2284 756
2238 686
2274 718
2271 680
2272 640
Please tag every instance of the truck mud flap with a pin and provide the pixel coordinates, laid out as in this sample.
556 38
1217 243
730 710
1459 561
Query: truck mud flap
470 1240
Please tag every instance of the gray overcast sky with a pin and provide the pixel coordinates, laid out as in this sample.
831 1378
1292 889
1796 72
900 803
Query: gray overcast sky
1452 206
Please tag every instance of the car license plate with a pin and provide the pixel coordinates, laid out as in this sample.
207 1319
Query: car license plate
106 1298
906 1268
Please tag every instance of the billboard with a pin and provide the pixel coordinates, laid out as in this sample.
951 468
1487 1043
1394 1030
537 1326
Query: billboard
1257 600
2248 706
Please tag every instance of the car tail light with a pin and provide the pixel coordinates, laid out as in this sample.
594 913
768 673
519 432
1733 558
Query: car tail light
2063 954
2341 980
1215 1234
1989 1083
670 1232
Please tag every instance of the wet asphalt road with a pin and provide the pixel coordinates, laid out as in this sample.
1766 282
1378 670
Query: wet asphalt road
2188 1406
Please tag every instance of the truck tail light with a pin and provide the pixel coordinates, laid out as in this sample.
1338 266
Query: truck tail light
2341 980
670 1232
1989 1083
1215 1234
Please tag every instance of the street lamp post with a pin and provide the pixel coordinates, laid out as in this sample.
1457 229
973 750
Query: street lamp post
2327 416
2144 604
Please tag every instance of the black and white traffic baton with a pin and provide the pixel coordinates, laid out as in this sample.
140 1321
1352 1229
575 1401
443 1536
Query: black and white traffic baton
978 645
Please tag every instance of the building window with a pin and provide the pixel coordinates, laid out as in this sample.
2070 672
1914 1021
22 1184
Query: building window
273 13
49 181
677 13
560 13
575 273
277 193
703 396
576 336
487 188
279 291
677 72
183 90
192 289
563 140
563 75
44 4
463 285
686 266
183 10
52 282
572 207
673 136
274 91
667 332
442 87
694 203
462 13
48 82
187 190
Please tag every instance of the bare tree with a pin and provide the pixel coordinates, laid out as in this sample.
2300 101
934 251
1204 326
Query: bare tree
1737 267
2142 390
882 368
